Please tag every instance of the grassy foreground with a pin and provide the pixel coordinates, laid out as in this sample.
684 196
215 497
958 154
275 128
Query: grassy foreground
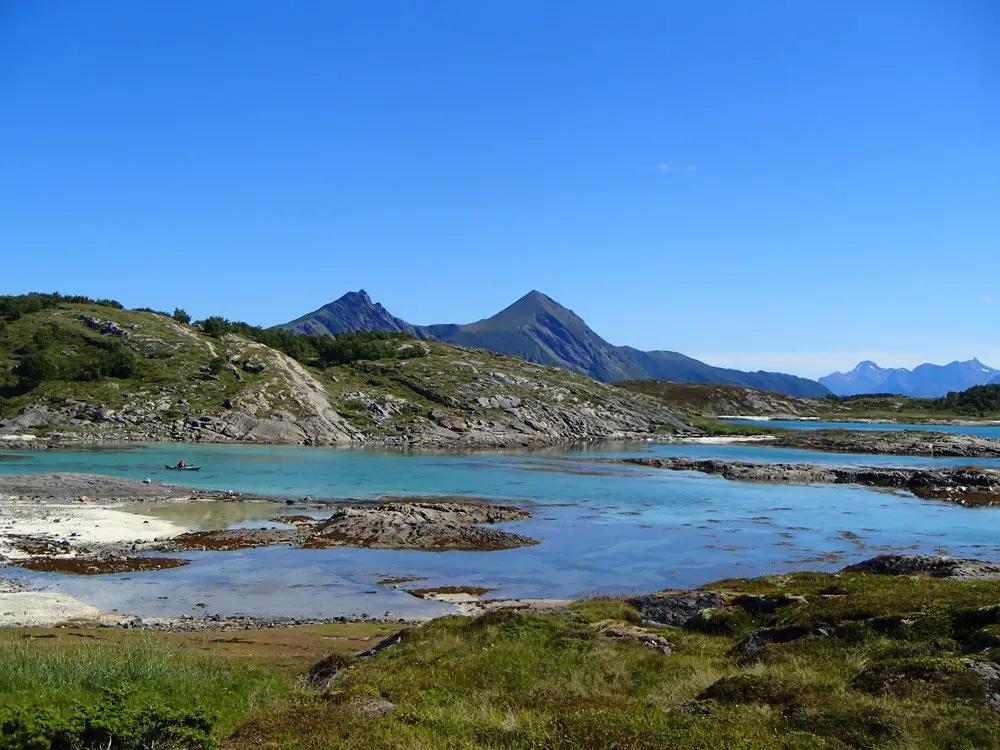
838 661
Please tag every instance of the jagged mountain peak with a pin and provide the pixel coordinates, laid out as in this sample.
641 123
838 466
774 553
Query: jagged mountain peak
353 311
866 365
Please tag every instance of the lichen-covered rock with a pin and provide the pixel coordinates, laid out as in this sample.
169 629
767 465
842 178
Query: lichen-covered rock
626 633
934 566
675 608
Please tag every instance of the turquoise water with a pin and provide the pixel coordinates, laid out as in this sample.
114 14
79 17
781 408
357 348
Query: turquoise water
603 528
986 431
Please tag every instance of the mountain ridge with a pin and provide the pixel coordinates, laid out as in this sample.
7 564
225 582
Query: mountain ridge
927 380
539 329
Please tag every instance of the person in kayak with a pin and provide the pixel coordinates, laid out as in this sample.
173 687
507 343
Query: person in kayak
181 464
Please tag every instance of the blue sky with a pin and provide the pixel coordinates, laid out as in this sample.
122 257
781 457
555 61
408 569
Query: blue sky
787 185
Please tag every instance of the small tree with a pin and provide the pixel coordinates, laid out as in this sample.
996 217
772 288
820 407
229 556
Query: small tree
181 316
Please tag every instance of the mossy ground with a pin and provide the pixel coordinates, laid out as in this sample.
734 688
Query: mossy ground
884 666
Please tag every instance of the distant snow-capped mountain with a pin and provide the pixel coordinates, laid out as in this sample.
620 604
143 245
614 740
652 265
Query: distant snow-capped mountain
924 381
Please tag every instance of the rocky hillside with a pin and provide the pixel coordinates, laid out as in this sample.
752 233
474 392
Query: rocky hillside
93 372
539 329
705 399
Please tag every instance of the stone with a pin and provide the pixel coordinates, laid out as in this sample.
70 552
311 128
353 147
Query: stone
626 633
751 647
766 604
675 608
935 566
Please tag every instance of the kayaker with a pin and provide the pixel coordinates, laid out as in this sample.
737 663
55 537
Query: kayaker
181 464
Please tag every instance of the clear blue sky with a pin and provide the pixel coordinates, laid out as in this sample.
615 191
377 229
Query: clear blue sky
782 184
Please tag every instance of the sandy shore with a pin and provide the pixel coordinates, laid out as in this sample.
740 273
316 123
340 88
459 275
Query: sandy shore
64 514
726 439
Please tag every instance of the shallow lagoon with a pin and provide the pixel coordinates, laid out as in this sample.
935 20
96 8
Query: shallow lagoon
604 528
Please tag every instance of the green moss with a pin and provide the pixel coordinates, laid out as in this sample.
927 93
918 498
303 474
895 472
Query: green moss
867 726
921 676
766 689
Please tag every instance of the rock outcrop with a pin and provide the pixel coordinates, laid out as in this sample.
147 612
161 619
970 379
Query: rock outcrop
934 566
889 442
423 526
965 486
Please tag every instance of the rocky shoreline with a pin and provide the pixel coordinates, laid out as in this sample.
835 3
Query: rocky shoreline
412 525
889 442
969 486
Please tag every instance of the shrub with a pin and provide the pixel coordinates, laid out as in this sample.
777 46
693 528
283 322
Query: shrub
920 675
216 326
751 688
118 363
112 723
35 369
217 365
181 316
43 338
13 307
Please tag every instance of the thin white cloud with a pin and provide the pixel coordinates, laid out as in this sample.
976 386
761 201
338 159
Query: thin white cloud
666 167
988 300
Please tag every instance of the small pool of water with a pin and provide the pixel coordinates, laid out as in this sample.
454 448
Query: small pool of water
217 515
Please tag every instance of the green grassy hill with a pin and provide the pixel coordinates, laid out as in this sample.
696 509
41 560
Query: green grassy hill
88 370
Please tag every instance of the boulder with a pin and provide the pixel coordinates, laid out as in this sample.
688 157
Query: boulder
625 633
934 566
669 608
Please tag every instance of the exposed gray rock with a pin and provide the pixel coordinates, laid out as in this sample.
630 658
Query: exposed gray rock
675 608
625 633
934 566
989 674
424 526
766 604
105 327
966 486
889 442
756 643
429 526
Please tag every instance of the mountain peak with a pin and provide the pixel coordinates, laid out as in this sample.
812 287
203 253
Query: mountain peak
358 297
354 311
535 299
866 365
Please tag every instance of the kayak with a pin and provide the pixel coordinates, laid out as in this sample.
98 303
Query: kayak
182 468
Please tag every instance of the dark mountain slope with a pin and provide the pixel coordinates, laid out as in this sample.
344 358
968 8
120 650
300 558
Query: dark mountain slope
539 329
355 311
